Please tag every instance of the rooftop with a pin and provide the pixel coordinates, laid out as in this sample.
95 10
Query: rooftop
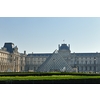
40 54
64 46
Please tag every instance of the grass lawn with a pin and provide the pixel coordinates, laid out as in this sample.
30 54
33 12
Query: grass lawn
53 77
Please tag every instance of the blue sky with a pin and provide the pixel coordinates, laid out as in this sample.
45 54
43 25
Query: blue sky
43 34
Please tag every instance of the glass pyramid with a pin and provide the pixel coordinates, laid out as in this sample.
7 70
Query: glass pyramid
55 62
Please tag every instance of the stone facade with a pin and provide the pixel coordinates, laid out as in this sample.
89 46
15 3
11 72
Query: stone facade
60 60
79 62
10 59
33 61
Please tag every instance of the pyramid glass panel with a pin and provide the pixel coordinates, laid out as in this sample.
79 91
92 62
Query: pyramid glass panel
55 62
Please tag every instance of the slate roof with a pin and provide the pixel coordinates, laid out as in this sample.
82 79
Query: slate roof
40 54
9 47
76 54
64 46
85 54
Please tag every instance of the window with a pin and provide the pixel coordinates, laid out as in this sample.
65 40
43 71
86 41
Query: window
40 58
90 67
34 68
44 59
82 68
90 62
77 62
85 62
71 58
72 62
94 57
82 58
34 62
86 68
21 68
94 61
36 58
81 62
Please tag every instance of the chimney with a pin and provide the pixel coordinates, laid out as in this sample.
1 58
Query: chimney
69 46
58 46
24 52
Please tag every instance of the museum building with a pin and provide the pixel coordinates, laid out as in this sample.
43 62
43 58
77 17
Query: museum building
10 59
61 60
